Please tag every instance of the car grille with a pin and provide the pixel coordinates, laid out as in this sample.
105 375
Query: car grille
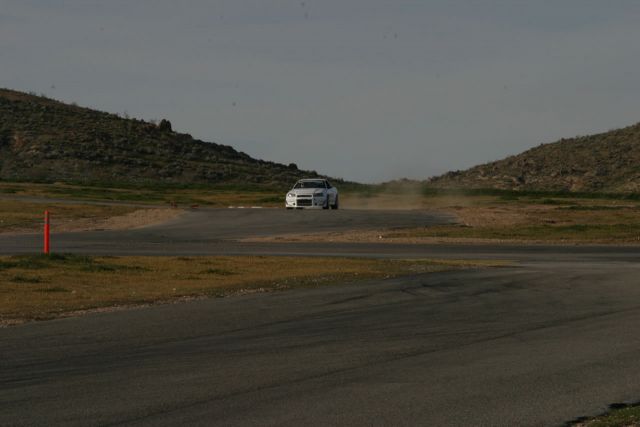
303 201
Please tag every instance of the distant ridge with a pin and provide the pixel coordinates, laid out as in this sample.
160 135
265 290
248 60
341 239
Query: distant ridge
45 140
606 162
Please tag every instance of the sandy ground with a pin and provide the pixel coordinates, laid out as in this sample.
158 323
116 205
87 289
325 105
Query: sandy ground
136 219
377 236
506 216
465 215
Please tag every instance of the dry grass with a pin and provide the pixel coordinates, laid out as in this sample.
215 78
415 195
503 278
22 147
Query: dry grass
553 220
16 216
619 416
500 219
180 197
483 218
43 287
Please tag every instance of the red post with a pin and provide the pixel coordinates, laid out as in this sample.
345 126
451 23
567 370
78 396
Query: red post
47 226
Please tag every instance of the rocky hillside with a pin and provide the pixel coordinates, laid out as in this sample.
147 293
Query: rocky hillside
46 140
606 162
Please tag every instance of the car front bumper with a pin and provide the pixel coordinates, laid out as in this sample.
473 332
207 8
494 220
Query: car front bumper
305 203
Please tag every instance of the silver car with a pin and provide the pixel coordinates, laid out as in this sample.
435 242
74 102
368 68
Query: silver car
312 193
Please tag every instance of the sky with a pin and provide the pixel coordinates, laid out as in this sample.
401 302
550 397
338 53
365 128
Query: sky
363 90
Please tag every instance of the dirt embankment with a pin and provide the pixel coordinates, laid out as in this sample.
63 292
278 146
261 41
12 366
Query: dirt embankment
136 219
489 220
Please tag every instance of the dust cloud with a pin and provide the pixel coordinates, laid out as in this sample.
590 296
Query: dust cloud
395 195
404 195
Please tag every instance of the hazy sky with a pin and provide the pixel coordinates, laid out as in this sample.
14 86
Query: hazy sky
364 90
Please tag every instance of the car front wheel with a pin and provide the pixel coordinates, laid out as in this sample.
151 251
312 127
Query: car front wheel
326 203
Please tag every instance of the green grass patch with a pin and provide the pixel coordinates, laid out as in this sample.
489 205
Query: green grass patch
431 191
574 232
548 201
271 199
509 197
592 208
20 278
620 416
52 289
72 261
5 265
23 215
161 194
75 283
218 271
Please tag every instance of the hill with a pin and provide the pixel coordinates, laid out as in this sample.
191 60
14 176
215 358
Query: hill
45 140
606 162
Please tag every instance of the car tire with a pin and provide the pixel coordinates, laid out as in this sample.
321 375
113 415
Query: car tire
326 205
336 205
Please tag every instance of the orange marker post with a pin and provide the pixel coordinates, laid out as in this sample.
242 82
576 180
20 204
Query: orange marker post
47 229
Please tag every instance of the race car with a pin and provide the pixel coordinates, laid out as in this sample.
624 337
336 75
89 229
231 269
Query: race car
312 193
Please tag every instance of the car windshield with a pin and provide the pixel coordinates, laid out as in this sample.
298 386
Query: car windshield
309 184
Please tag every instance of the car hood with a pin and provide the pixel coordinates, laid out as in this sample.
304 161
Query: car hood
305 191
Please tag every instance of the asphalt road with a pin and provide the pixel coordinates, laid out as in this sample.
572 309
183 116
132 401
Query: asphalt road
550 339
203 231
214 232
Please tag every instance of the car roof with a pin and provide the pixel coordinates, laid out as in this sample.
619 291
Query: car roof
312 179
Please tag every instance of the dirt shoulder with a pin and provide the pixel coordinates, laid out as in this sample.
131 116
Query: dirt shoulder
137 219
378 236
39 287
19 217
548 221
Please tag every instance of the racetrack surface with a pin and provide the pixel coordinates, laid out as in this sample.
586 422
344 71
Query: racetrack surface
208 231
544 341
197 229
214 232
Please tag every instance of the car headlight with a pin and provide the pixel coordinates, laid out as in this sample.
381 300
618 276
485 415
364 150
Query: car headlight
291 195
318 195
